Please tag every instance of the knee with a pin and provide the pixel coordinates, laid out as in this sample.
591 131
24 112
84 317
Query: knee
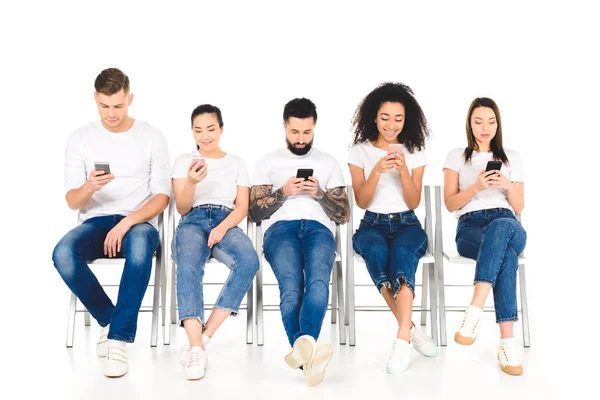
290 298
63 258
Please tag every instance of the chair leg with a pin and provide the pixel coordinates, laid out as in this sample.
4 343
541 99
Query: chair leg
350 298
156 298
340 302
163 296
169 293
433 290
524 306
424 295
71 320
249 314
334 299
86 317
173 293
442 301
259 307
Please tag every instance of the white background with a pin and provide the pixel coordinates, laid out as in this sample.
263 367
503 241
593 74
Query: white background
537 60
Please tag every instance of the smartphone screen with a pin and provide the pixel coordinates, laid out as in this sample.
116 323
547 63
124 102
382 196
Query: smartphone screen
493 165
102 166
395 148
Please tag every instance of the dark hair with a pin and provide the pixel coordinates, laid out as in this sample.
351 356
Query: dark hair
496 143
415 129
207 109
300 108
111 81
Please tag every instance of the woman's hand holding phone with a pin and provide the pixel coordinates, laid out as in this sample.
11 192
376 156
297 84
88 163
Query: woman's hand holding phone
385 164
400 163
196 173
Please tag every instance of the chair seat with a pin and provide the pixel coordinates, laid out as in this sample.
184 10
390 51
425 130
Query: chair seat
453 257
426 259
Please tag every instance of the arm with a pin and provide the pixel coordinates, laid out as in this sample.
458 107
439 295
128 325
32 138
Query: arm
184 189
452 197
78 198
264 202
516 196
335 203
411 186
365 190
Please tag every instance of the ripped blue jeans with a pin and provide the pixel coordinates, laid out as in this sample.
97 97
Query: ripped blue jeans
391 245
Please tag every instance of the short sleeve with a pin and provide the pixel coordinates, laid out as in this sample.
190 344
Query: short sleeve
418 159
516 173
261 174
354 157
180 167
452 160
337 177
242 178
160 166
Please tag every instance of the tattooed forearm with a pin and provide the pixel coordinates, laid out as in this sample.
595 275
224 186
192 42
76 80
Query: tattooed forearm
263 203
335 203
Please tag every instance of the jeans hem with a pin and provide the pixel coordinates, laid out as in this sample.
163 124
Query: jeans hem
511 319
402 279
127 339
234 312
192 317
484 281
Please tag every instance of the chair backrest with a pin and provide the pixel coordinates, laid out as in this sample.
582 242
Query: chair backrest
423 211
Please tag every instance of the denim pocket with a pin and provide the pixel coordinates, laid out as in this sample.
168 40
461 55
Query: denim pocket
368 221
410 219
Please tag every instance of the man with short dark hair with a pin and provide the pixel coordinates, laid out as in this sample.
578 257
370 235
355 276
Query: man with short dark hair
118 206
299 195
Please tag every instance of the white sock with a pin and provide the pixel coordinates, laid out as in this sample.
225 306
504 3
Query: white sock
116 343
507 341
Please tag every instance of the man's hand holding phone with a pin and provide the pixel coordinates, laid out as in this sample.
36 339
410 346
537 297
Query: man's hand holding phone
311 186
98 178
196 171
293 186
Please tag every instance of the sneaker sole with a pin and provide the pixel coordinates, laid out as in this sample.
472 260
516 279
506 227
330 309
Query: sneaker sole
115 374
430 355
464 340
395 371
318 365
304 349
511 369
195 377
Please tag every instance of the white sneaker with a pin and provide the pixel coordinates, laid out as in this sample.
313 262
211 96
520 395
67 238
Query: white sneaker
314 370
508 355
302 352
116 361
400 357
184 352
467 333
423 343
196 364
102 343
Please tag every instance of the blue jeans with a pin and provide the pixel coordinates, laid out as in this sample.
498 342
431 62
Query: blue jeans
190 251
391 245
86 243
494 238
301 254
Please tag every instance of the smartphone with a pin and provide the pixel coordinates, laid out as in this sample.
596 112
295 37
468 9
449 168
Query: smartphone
199 161
395 148
304 173
493 165
102 166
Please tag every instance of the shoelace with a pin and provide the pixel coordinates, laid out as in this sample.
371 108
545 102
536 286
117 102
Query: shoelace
468 320
194 359
510 354
399 351
419 338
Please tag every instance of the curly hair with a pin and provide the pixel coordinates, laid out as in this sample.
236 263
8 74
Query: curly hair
415 130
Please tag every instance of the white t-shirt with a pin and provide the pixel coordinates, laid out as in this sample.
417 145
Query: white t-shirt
467 175
389 197
277 167
138 158
223 176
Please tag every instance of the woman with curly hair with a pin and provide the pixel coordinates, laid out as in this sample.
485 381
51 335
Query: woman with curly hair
387 163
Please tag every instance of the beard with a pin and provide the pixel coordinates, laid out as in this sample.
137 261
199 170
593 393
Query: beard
299 151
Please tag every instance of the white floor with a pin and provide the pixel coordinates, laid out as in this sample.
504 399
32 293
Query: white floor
238 370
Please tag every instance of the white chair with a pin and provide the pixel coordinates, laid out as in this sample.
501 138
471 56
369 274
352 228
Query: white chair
427 262
337 290
170 286
450 255
157 262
